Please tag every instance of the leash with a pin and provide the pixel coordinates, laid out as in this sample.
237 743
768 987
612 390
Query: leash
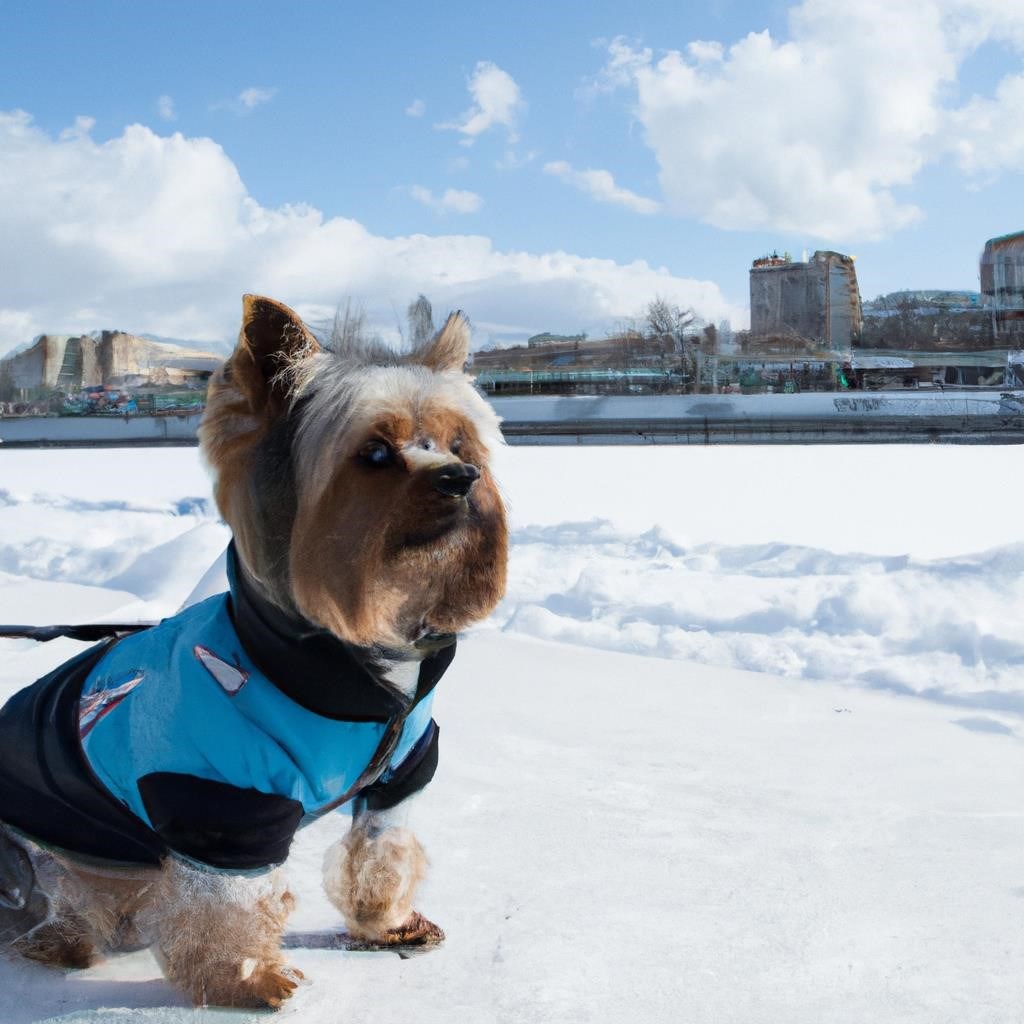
88 632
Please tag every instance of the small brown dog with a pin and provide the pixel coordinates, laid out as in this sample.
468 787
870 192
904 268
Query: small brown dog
151 787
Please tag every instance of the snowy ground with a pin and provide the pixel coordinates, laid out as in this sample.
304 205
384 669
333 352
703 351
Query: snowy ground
743 743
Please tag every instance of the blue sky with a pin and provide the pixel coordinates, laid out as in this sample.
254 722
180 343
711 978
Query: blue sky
547 166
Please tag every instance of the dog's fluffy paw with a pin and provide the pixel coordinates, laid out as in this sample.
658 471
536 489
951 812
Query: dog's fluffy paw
271 985
59 944
256 986
416 931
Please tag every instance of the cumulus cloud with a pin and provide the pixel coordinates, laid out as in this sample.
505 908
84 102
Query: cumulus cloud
624 61
81 126
416 109
988 134
815 134
601 186
454 200
159 233
165 108
496 102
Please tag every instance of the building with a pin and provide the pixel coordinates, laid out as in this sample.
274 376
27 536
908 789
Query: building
547 338
1002 287
801 306
67 364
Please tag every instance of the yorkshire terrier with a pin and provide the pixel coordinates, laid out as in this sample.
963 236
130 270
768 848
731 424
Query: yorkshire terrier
150 788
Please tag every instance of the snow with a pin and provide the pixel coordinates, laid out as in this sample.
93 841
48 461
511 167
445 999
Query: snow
742 743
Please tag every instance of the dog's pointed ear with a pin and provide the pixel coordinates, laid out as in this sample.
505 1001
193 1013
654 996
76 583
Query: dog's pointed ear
449 348
272 336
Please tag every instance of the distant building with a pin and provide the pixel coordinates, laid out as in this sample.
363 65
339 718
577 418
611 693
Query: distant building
1002 286
65 363
547 338
804 305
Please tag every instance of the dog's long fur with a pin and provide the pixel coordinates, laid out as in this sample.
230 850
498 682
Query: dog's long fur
374 553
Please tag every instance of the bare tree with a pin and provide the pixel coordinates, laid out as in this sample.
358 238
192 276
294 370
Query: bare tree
667 325
420 315
666 322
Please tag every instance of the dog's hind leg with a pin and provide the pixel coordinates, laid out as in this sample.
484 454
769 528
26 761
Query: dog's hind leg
52 928
218 935
90 911
371 876
23 905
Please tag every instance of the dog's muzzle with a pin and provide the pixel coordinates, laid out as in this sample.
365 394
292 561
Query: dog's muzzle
454 479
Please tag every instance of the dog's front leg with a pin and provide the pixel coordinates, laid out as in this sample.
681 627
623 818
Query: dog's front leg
218 935
372 874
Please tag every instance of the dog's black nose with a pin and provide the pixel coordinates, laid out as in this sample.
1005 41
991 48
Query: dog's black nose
454 479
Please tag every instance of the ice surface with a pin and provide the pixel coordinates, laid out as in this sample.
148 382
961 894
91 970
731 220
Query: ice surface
703 764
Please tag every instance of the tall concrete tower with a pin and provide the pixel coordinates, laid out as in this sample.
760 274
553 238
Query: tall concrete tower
809 304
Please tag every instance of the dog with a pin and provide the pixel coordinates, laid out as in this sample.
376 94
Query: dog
150 787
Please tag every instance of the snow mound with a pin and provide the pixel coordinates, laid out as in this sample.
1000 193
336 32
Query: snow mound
168 572
62 537
948 629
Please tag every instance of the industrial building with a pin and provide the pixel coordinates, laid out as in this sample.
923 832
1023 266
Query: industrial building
804 305
1002 287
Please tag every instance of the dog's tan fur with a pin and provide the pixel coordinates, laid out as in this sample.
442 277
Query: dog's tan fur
375 558
372 879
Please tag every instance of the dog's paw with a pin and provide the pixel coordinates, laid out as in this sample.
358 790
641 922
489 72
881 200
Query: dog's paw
257 986
58 944
416 931
271 984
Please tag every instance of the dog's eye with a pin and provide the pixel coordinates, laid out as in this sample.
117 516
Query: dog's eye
456 446
375 453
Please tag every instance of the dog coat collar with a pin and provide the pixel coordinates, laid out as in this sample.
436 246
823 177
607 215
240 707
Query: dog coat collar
315 668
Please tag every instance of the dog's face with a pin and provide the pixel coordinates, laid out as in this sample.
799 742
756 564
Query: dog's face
357 482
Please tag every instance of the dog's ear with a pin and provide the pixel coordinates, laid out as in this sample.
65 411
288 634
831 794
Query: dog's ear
272 336
449 348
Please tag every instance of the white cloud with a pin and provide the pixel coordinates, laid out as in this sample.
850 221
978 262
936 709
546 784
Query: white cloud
989 133
817 133
454 200
159 233
416 109
247 100
496 102
165 108
82 126
706 51
255 96
625 60
601 186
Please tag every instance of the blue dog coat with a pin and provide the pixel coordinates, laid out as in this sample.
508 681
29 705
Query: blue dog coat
184 738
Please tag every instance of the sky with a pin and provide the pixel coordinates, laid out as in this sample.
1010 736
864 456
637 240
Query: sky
546 167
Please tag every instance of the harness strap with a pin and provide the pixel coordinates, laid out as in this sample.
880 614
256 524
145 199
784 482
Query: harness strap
89 632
